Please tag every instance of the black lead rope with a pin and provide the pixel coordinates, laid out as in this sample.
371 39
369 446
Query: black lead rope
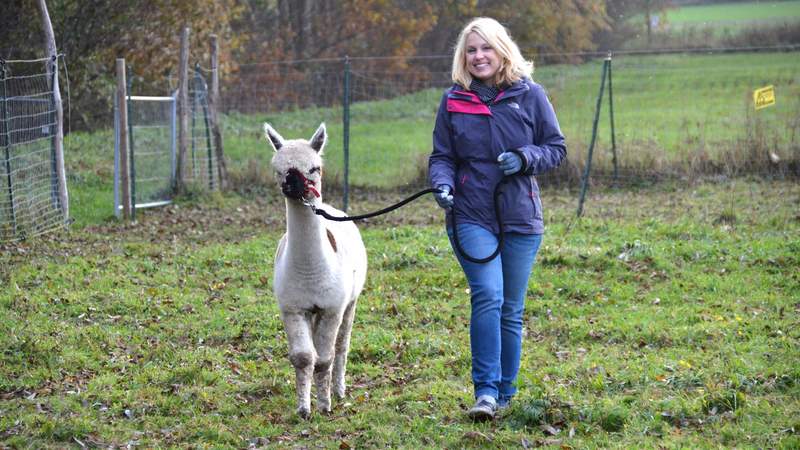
497 216
497 192
323 213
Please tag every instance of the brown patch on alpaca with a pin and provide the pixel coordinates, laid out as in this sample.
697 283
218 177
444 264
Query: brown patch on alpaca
331 239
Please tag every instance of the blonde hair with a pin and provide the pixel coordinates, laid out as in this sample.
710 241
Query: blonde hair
513 66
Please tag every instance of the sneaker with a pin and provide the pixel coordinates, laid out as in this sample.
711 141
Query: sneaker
483 409
503 403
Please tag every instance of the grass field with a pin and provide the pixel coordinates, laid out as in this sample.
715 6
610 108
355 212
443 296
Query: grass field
669 110
743 14
666 317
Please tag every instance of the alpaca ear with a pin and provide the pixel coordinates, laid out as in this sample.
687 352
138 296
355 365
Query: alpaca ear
319 138
273 137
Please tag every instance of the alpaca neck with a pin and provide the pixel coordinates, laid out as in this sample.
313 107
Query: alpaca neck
306 236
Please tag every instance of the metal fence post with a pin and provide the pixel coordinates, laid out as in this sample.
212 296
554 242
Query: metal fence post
54 194
122 103
117 165
174 138
193 99
611 114
202 86
132 160
5 142
214 108
346 131
586 172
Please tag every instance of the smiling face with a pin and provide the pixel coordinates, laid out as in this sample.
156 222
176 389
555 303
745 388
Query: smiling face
482 60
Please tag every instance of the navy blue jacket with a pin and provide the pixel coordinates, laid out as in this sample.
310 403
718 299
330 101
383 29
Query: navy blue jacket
469 136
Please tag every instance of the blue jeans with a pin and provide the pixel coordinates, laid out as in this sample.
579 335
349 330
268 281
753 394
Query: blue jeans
498 299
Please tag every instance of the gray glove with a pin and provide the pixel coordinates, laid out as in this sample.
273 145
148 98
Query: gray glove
510 163
444 198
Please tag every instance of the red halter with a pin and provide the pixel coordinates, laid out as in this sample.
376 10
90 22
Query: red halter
308 185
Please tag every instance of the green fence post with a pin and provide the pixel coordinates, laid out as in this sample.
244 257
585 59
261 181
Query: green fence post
611 114
346 132
5 142
588 169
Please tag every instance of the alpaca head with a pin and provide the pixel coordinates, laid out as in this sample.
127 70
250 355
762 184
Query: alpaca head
298 163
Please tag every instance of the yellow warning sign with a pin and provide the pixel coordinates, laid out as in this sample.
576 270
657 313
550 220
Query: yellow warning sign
764 97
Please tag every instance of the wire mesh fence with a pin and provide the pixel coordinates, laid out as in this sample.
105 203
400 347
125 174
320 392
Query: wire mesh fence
203 170
152 131
676 114
29 198
152 143
294 97
680 115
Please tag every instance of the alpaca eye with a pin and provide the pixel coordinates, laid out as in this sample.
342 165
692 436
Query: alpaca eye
313 170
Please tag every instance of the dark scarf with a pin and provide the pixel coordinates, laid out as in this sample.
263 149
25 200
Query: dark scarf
487 94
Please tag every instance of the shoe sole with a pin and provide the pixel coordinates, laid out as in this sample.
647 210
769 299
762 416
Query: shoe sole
480 415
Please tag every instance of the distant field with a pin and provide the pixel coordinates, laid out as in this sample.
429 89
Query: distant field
668 108
735 13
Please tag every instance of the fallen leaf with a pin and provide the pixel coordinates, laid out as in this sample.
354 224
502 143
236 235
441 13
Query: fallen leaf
477 436
549 429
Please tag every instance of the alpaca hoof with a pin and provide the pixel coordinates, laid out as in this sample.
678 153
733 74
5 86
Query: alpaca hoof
324 407
304 412
340 393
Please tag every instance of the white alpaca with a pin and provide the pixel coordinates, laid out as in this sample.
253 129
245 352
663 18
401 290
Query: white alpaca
320 268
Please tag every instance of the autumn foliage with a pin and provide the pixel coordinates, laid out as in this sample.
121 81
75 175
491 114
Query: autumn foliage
271 41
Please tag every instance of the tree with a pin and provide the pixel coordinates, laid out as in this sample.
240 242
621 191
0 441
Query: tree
545 26
554 26
621 12
309 29
93 34
146 33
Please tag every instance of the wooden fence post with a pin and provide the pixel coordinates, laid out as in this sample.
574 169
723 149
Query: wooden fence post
183 111
58 139
122 127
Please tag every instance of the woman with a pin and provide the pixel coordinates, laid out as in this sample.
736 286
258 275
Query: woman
494 126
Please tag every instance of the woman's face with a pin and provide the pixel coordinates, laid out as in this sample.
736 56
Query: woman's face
482 61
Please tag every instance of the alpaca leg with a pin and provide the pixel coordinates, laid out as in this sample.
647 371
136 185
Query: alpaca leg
342 348
301 355
325 331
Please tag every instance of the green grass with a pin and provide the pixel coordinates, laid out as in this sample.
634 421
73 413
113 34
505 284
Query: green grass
669 110
664 318
678 107
723 25
735 14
